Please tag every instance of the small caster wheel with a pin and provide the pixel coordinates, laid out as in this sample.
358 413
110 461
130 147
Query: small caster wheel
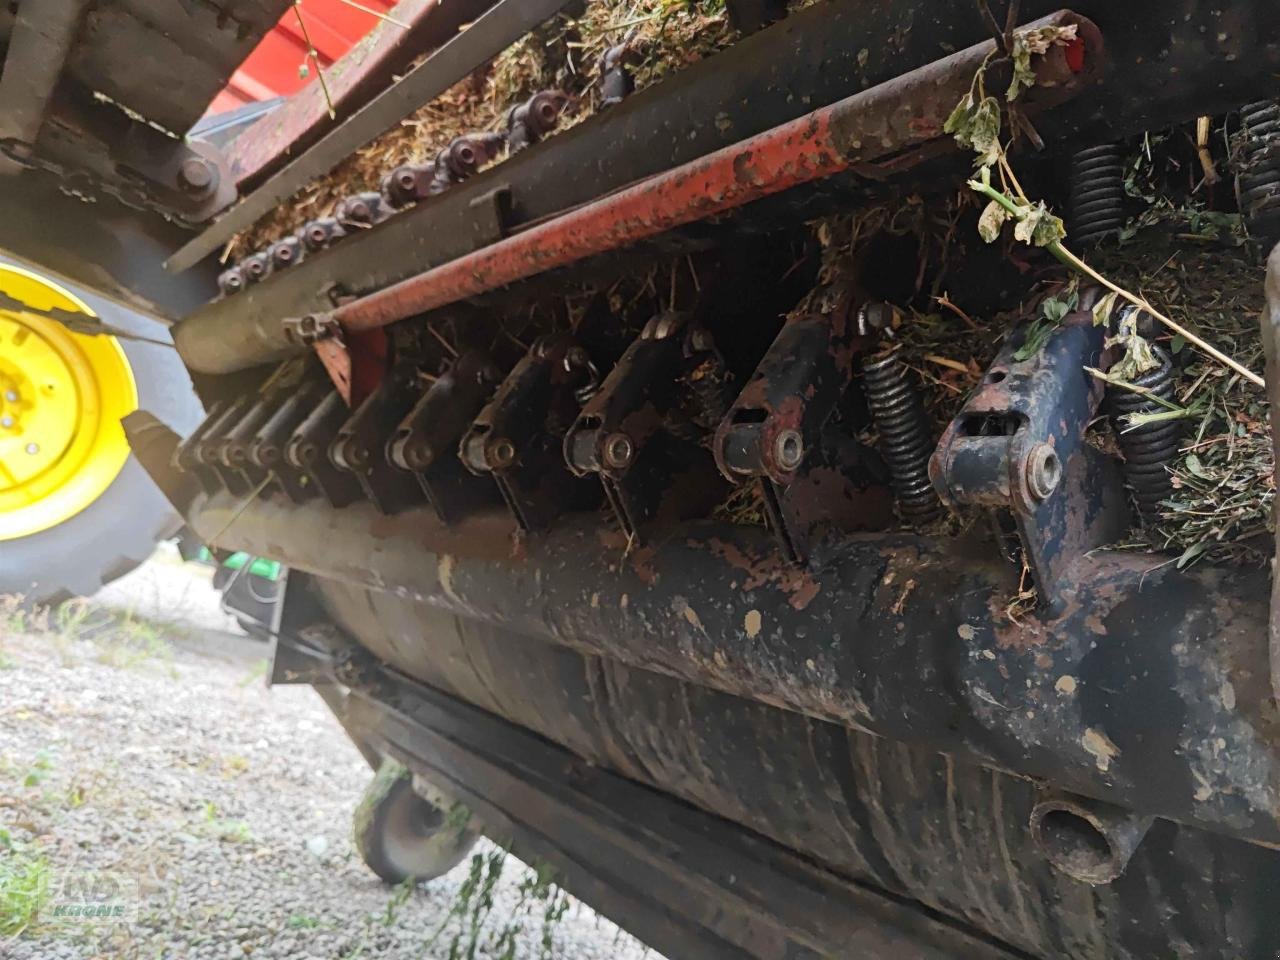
402 836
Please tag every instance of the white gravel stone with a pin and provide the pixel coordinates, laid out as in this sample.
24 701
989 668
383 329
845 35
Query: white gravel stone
227 806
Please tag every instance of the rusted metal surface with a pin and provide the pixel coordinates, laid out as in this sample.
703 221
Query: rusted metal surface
640 433
425 442
369 66
786 432
518 438
1018 445
358 446
863 130
1213 60
1115 697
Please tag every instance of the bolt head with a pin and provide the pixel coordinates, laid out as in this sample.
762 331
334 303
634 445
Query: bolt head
6 422
197 174
33 448
11 396
788 449
502 454
1043 471
618 451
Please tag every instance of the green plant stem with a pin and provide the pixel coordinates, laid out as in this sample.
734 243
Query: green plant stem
1134 388
374 13
1069 259
315 59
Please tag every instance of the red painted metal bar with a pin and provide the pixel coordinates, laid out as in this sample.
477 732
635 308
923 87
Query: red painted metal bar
870 131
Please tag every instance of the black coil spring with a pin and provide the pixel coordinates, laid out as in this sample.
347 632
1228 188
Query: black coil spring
1097 193
904 434
1150 450
1260 167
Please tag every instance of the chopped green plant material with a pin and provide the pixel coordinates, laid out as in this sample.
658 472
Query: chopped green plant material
1224 483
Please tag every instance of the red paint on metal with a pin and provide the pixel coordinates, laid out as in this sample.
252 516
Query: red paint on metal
272 70
367 67
882 123
796 153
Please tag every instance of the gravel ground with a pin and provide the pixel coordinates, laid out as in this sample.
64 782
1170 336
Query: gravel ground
155 759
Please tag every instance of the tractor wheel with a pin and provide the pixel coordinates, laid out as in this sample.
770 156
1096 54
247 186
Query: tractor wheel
76 509
402 836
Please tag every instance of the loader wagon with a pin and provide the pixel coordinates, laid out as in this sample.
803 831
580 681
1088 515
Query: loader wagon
801 472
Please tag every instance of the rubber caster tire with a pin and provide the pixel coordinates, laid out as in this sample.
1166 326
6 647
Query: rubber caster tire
120 529
401 836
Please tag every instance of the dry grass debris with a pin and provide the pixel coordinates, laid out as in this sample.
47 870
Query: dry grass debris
664 36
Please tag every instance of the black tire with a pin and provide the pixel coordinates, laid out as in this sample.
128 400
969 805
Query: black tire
401 836
121 528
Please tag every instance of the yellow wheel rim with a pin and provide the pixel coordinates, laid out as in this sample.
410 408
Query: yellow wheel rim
62 396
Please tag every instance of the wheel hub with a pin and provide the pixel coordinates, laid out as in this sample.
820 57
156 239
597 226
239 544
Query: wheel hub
62 395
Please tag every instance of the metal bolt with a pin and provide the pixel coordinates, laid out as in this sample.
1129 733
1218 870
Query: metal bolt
11 396
502 454
788 449
1044 471
618 451
197 174
875 316
33 448
6 422
419 455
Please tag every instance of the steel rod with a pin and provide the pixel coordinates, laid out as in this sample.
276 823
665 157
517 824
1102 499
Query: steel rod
868 128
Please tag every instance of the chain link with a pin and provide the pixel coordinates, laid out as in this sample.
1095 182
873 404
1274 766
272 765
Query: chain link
84 185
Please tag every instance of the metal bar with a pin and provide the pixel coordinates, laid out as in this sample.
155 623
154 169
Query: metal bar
486 38
1216 61
1097 700
39 45
867 128
389 49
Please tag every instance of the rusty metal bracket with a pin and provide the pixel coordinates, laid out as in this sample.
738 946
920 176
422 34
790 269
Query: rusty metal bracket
651 460
518 437
266 449
307 452
195 454
1019 446
361 444
786 431
426 441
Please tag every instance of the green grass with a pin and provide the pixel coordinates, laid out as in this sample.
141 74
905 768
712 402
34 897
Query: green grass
228 831
24 886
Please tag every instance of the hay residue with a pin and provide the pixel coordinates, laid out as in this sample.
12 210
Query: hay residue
1223 480
664 36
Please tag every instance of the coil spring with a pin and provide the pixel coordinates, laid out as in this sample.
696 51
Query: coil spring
904 434
1148 450
1097 193
1260 168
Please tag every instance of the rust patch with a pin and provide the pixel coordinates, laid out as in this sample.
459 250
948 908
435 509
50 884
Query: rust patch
773 570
